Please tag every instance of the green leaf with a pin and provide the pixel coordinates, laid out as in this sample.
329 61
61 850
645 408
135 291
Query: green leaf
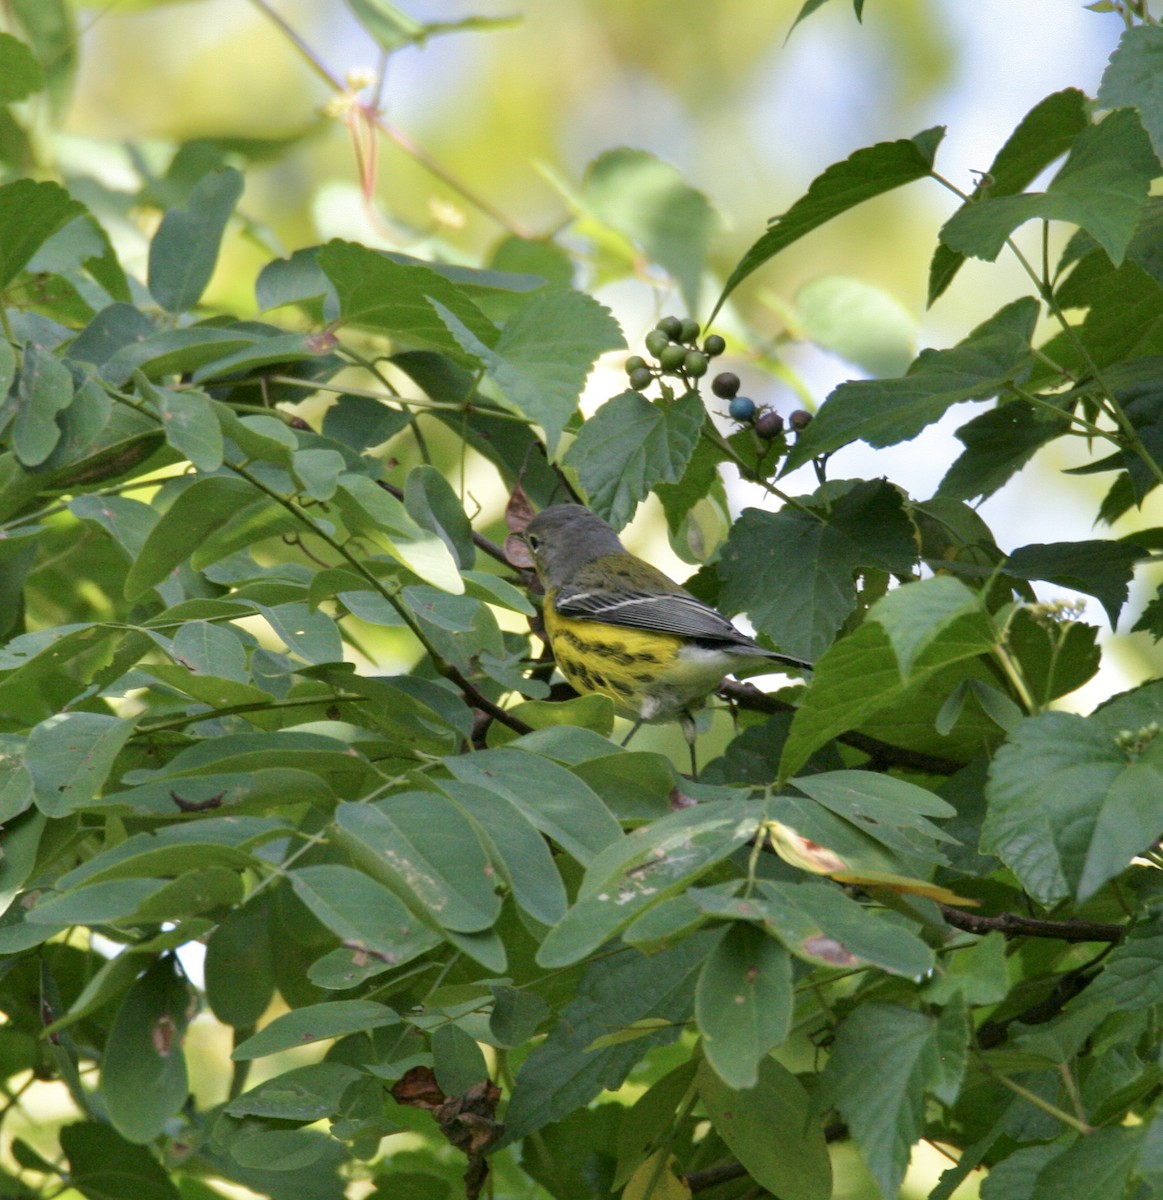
143 1070
818 923
977 972
867 173
516 1015
629 446
30 213
743 1003
52 32
457 1060
46 388
1069 806
884 1059
1132 79
862 324
553 799
998 443
517 846
196 511
309 633
240 976
361 422
1101 187
1045 133
315 1023
1131 975
771 1130
429 853
916 615
190 424
70 755
297 280
279 350
1095 1167
157 353
792 571
399 299
109 902
891 810
616 990
644 868
20 73
363 914
302 1094
184 251
210 649
430 501
375 514
174 849
544 354
861 676
1102 569
104 1166
883 412
280 1150
648 201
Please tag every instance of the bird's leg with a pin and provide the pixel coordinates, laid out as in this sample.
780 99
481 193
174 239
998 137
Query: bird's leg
687 724
633 730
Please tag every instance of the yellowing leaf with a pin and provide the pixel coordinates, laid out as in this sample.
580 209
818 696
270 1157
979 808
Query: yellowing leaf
655 1180
802 852
903 885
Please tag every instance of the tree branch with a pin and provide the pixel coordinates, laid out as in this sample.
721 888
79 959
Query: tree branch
1013 925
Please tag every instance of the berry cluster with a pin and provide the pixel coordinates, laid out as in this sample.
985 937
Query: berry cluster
673 344
766 422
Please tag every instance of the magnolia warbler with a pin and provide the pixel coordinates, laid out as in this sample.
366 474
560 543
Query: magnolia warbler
620 627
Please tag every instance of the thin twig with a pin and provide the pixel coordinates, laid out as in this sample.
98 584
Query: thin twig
1013 925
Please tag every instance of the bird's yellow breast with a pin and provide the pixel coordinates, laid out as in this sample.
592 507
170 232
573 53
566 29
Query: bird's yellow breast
649 675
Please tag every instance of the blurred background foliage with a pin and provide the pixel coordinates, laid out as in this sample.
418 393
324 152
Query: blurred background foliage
512 117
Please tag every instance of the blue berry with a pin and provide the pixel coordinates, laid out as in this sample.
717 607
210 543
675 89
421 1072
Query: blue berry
742 408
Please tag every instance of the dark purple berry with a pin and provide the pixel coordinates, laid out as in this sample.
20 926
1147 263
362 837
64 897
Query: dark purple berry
800 420
725 384
769 424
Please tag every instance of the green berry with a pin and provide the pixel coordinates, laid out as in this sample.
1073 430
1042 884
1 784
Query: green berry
800 420
672 358
695 363
688 331
634 363
641 379
742 408
671 326
656 342
769 424
725 384
713 346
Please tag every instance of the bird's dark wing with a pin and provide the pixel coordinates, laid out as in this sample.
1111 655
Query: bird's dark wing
674 612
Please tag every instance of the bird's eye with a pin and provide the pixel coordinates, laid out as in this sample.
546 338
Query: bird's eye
532 541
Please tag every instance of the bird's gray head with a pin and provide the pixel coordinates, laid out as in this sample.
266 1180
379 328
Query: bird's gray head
564 537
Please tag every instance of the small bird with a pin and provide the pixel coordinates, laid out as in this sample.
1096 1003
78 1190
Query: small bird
620 627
